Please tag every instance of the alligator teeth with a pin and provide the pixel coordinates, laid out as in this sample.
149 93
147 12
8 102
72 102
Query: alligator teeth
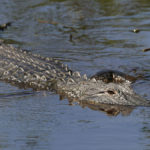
85 77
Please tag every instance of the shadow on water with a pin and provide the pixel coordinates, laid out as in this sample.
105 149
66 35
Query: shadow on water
16 94
89 36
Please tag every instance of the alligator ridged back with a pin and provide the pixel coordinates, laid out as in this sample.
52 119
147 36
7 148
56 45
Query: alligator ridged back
29 70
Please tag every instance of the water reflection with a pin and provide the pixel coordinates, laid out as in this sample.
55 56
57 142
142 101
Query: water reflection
110 110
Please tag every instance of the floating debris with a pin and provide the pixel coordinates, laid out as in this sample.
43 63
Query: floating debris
146 49
70 37
4 26
136 30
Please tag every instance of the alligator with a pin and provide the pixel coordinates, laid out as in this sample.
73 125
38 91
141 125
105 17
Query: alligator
28 70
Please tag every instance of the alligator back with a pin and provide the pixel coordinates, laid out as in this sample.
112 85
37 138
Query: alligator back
30 70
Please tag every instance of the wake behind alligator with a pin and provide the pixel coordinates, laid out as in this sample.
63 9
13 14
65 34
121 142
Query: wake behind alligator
27 70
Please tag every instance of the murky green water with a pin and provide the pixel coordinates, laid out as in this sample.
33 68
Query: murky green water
88 36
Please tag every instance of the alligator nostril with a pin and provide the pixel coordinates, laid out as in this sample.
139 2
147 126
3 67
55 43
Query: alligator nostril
111 92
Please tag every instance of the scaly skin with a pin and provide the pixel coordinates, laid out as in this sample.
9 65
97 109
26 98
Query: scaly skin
27 70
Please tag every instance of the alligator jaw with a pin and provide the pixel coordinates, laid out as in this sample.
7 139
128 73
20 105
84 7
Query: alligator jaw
125 99
99 92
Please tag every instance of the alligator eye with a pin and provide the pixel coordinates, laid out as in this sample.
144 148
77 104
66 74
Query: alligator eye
110 92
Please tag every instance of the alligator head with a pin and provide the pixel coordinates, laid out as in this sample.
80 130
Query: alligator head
95 90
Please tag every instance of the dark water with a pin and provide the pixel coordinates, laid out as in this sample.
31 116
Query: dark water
88 36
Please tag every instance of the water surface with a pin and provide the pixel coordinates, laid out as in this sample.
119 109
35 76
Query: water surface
88 36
